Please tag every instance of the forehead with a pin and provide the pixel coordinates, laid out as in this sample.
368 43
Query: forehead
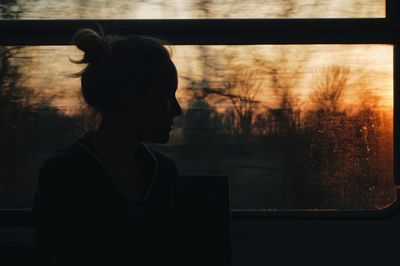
166 78
168 69
168 73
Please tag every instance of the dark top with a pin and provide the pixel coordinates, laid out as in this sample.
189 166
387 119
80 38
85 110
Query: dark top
83 218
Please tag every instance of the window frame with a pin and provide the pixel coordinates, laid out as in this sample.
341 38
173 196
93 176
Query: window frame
232 32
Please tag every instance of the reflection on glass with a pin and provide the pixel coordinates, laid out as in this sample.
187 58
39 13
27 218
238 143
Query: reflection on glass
148 9
293 127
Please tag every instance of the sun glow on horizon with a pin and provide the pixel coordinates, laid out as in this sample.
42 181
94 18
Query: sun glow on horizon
371 69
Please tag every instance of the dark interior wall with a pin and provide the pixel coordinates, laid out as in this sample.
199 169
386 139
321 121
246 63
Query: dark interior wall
330 242
315 251
279 242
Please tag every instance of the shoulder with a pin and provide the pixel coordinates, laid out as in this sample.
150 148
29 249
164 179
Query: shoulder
61 159
60 167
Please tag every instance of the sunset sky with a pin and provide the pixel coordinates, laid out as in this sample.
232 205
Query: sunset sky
371 65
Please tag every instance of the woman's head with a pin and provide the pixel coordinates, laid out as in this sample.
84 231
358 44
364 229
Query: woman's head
129 79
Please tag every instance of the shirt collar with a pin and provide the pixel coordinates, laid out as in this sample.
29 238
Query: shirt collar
142 150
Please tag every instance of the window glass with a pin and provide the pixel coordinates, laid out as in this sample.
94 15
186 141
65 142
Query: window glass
159 9
292 126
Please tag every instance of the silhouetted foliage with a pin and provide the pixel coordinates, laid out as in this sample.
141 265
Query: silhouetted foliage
16 110
25 120
341 159
334 155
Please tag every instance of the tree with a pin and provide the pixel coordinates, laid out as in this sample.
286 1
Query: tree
330 84
241 87
17 116
284 73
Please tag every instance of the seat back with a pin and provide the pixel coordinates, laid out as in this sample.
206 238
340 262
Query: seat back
208 200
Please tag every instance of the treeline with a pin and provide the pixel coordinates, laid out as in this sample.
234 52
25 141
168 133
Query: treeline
30 129
336 155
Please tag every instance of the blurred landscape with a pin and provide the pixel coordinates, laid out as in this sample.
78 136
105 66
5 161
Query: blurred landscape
292 126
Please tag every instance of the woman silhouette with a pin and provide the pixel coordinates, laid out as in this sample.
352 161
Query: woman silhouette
108 198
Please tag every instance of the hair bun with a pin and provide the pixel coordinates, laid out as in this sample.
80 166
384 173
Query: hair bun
90 42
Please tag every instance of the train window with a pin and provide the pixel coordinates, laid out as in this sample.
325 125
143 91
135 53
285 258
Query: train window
185 9
293 126
297 122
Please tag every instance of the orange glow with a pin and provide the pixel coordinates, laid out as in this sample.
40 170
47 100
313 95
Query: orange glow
371 69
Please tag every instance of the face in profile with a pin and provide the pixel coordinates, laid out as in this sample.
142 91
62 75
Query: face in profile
153 114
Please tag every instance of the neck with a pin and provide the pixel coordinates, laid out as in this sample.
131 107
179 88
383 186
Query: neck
115 144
